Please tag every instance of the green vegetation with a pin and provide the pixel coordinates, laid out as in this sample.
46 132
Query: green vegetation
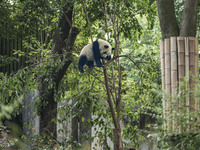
33 65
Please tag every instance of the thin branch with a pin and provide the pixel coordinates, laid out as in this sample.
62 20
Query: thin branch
95 76
113 77
106 20
118 100
109 98
85 10
116 57
68 20
114 28
112 96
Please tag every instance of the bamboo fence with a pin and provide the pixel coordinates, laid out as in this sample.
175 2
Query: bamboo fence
179 68
7 47
11 63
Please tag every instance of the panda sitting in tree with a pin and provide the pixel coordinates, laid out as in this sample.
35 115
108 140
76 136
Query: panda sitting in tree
92 54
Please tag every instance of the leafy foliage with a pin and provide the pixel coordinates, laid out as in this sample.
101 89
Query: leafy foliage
29 17
139 34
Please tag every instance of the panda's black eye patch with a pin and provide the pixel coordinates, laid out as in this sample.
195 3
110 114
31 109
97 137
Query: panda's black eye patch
104 52
106 46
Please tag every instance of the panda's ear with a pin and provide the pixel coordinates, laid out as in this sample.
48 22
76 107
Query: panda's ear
106 46
113 49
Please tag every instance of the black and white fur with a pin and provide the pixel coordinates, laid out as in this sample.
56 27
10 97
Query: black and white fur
92 54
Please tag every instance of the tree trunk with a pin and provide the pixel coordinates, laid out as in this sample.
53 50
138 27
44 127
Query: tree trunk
166 14
189 19
117 135
63 39
48 113
187 59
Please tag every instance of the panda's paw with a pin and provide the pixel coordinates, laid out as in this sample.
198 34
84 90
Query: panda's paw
99 64
81 69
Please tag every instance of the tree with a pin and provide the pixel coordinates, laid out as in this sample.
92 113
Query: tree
118 18
115 14
179 60
63 41
168 21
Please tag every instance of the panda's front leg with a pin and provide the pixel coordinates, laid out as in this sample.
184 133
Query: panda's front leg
82 61
98 63
90 64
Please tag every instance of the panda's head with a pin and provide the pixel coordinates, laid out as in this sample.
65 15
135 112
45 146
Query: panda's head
105 49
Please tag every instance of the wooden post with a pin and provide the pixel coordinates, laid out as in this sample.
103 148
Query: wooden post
11 53
187 68
3 52
181 75
162 56
192 79
196 73
192 71
168 80
174 79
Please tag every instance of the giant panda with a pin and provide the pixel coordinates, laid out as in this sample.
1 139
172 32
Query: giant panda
92 54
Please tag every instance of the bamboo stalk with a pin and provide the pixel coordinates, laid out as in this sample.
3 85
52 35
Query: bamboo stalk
3 52
174 79
21 57
181 71
192 71
187 68
23 64
181 60
191 79
162 56
14 62
11 53
168 79
17 56
8 55
196 73
196 83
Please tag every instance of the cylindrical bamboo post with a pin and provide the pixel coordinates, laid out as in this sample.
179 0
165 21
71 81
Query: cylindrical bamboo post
174 79
11 53
162 56
181 71
196 73
168 80
191 79
192 71
3 52
15 47
187 69
181 60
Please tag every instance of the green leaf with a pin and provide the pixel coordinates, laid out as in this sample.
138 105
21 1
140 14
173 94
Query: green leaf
83 119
